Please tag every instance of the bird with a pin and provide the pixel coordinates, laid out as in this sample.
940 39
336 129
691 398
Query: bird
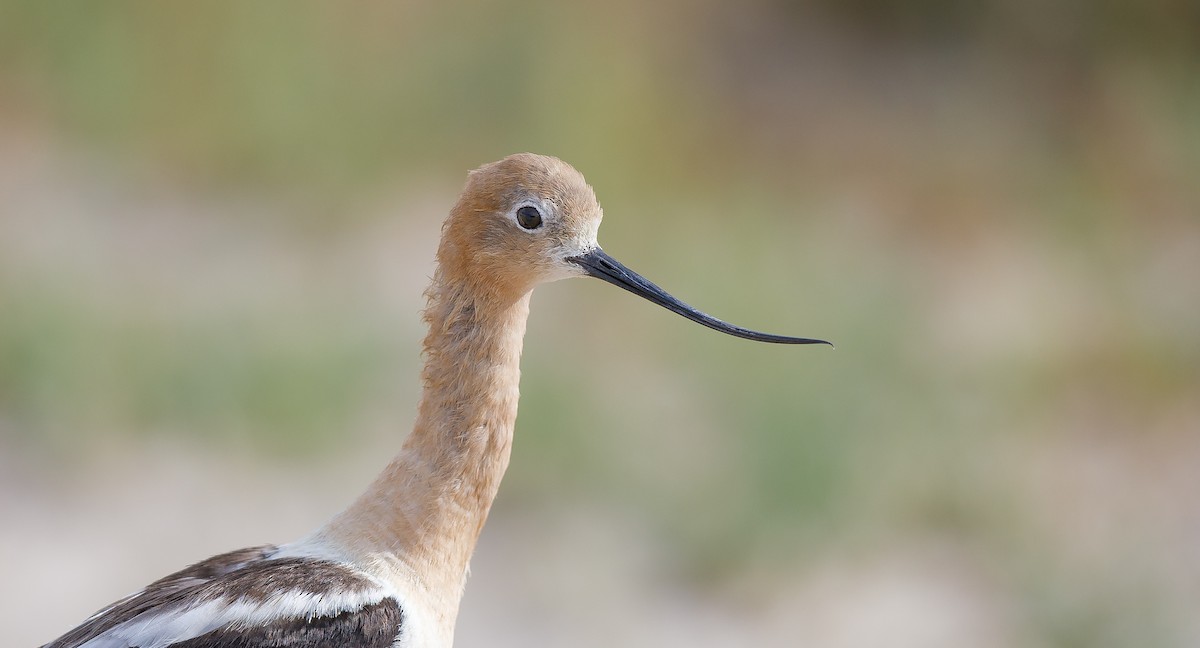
390 569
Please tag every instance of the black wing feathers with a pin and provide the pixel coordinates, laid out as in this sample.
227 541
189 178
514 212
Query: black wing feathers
162 591
374 626
252 576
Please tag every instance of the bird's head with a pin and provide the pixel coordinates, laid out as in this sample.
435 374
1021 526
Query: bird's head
530 219
518 222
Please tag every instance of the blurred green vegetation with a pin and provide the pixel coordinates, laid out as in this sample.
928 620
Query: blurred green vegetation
69 369
991 208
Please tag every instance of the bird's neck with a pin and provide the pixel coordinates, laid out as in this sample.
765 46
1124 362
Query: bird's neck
426 510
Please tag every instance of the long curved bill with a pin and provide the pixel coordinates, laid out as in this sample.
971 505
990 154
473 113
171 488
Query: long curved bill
598 264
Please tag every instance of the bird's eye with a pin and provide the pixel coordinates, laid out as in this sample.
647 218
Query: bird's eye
529 218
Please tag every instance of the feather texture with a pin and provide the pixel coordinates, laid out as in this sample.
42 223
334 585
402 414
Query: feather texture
251 597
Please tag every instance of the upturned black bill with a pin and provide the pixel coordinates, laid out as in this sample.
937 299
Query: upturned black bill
598 264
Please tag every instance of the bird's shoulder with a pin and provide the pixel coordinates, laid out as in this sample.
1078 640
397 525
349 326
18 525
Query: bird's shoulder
249 598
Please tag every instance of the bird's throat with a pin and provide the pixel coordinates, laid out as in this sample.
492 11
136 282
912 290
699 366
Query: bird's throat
464 427
428 507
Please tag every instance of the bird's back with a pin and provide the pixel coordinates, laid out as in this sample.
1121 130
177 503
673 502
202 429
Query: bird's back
251 598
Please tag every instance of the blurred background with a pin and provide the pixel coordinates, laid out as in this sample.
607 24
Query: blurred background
216 221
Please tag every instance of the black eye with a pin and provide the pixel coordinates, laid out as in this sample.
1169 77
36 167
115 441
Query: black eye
529 218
